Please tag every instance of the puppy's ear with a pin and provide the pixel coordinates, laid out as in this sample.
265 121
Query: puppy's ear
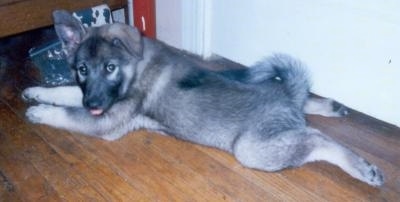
129 38
69 30
135 41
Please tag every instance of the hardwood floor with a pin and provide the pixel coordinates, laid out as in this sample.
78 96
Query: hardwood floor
39 163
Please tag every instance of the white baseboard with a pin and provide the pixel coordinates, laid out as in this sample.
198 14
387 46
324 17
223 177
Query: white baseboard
196 26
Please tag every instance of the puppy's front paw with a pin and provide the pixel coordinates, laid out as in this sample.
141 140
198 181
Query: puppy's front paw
46 114
32 94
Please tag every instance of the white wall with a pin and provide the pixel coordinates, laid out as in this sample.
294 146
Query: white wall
169 22
352 48
185 24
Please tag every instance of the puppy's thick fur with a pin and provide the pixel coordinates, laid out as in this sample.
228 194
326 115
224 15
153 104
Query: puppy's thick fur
127 82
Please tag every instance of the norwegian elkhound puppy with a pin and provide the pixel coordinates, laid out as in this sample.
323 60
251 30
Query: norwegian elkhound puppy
127 82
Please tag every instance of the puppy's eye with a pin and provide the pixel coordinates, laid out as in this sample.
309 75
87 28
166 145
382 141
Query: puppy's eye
82 70
111 68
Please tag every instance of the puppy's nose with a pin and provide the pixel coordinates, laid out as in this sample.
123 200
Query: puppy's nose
92 103
94 107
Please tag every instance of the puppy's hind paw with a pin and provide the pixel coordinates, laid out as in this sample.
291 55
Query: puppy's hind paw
325 107
370 174
374 176
338 109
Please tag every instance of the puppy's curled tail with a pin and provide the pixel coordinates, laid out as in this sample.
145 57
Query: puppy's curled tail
285 70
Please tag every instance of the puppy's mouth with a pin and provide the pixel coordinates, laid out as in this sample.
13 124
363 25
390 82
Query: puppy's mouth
96 112
97 106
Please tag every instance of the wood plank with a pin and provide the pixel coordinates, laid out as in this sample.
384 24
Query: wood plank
8 190
146 169
96 170
224 179
196 170
20 16
15 165
93 170
46 160
290 184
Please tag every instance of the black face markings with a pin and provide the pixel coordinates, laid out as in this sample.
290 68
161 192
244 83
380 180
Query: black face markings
97 64
100 94
98 49
99 91
93 45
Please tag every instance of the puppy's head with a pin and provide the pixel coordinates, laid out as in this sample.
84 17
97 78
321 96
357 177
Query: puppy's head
102 58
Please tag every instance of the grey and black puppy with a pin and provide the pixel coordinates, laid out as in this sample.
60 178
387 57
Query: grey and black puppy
127 82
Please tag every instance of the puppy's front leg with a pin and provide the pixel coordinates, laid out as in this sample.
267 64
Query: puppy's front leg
73 119
61 95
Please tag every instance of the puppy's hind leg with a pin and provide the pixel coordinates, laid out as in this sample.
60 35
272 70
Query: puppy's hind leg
61 95
296 147
325 149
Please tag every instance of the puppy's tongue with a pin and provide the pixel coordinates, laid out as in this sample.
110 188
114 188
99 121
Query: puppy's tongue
96 112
